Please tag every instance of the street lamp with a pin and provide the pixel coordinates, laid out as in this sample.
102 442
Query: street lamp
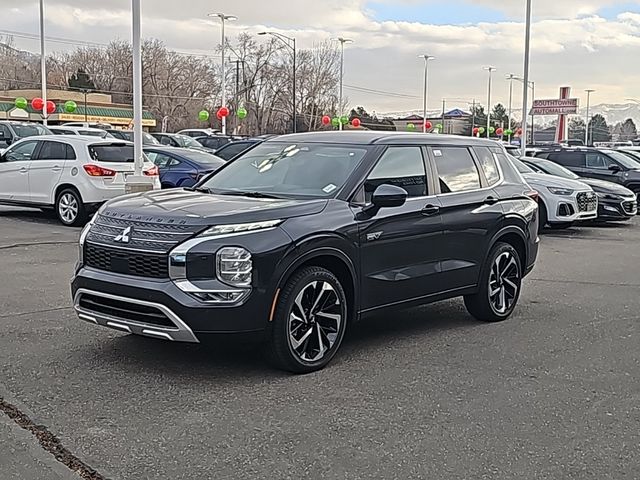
43 65
426 84
532 86
525 90
586 127
223 18
490 70
511 77
342 41
290 42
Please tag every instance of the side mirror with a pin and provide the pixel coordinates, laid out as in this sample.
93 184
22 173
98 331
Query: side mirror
615 168
388 196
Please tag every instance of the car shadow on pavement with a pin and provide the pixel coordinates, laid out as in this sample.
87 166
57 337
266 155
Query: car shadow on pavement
31 216
238 357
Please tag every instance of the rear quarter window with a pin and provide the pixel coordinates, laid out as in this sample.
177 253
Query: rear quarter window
568 159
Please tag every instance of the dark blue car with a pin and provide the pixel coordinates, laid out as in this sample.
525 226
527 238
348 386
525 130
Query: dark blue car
182 167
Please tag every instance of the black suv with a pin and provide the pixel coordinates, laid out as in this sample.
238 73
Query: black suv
609 165
11 132
307 233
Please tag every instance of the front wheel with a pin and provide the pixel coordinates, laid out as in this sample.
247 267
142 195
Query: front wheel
70 209
309 322
500 284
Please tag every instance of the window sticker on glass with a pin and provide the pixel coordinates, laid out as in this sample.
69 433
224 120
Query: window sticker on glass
329 188
437 153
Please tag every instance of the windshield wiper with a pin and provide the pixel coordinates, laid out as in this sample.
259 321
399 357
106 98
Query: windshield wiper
199 189
237 193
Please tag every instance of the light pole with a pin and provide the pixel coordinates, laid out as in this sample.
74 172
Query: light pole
511 77
426 86
223 18
342 41
290 42
532 86
525 93
490 70
586 126
43 65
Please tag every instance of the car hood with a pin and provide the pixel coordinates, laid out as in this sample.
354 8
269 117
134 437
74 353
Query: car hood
198 208
544 180
603 186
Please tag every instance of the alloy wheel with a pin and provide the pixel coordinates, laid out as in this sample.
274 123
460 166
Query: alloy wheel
504 283
315 321
68 207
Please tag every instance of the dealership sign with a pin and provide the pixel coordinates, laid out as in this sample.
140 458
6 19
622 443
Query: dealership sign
564 106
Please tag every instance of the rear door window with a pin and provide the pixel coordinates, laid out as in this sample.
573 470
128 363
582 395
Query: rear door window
52 151
568 159
112 152
457 172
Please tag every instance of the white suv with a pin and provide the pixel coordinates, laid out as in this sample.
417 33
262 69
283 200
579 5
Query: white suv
72 174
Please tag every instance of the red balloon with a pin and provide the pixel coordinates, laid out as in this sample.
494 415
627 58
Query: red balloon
428 124
476 130
224 112
519 131
51 107
37 104
219 115
355 122
499 131
326 120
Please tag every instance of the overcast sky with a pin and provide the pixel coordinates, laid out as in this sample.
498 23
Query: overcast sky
580 43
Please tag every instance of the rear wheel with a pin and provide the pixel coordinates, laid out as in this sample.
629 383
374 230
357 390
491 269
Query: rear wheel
70 209
309 321
500 284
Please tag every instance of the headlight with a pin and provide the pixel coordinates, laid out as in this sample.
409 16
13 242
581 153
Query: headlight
239 227
233 266
560 191
609 196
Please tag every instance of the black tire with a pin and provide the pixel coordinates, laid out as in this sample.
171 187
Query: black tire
314 289
560 225
70 210
482 305
542 216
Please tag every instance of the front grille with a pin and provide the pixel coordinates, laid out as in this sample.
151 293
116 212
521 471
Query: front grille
587 201
151 265
630 207
119 309
149 234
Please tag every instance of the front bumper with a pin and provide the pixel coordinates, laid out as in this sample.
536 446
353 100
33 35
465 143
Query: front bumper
616 209
159 309
578 207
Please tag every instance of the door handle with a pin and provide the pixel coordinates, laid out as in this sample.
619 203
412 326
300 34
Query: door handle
23 170
490 201
56 168
430 210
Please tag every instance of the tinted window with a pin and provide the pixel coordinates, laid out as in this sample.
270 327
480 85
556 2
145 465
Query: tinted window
111 153
160 159
488 164
521 166
399 166
21 152
232 150
71 153
622 159
59 131
568 159
30 130
598 161
53 151
509 171
5 133
456 170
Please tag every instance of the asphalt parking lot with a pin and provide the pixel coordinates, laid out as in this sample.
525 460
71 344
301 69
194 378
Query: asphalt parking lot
553 393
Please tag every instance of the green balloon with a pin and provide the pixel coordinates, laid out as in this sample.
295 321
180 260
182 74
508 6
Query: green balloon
439 126
492 129
70 106
203 115
344 120
242 113
411 126
508 131
21 103
335 121
481 130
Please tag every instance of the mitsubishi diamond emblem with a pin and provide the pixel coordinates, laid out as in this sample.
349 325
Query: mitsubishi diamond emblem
124 236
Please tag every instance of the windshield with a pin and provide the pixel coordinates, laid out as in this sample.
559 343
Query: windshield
554 169
623 159
26 130
281 169
632 154
521 167
188 142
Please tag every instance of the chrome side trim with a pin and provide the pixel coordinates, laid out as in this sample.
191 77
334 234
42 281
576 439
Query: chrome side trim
181 332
